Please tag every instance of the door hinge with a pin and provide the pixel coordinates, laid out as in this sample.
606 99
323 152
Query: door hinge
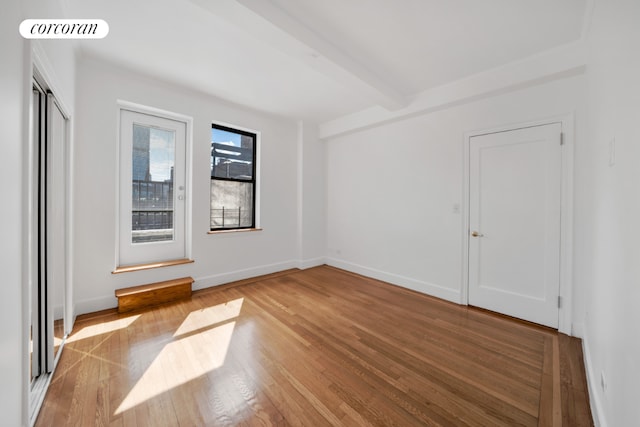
561 138
559 301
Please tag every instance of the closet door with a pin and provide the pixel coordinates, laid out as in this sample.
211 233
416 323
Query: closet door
48 235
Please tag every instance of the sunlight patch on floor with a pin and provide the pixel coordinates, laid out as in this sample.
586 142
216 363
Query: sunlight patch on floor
102 328
188 356
210 316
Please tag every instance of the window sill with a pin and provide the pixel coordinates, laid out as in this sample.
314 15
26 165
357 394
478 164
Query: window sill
238 230
148 266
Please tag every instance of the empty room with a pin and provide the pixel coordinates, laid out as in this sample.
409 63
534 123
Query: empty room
348 213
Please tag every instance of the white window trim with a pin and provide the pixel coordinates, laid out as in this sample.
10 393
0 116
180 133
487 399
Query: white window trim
188 121
257 160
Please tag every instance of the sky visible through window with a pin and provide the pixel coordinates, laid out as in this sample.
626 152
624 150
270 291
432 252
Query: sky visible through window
223 137
161 154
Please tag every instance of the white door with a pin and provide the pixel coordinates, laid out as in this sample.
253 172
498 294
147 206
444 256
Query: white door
152 188
514 222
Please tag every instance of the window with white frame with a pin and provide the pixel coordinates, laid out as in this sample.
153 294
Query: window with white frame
233 178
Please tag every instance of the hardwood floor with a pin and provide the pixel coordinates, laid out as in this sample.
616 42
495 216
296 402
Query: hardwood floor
315 347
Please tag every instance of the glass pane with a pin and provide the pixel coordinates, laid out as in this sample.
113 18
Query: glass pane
231 155
231 204
152 184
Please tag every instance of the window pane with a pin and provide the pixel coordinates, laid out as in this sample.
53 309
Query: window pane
152 184
231 155
231 204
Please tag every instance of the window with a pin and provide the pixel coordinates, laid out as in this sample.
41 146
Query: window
153 170
233 178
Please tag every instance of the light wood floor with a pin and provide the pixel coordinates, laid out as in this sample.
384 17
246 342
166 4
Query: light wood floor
315 347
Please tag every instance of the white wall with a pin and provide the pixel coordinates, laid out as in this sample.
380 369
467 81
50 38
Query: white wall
392 188
218 258
13 357
312 195
607 206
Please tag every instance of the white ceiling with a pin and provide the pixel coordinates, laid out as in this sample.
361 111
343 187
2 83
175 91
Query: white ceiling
319 60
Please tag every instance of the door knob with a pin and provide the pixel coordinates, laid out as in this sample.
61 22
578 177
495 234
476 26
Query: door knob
476 234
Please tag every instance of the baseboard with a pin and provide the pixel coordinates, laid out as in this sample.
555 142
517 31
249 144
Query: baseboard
406 282
234 276
593 384
102 303
58 311
106 302
95 304
303 264
577 330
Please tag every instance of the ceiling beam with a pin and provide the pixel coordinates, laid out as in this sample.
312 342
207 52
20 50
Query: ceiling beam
329 58
288 34
562 62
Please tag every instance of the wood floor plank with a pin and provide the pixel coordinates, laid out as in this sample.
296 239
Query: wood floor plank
315 347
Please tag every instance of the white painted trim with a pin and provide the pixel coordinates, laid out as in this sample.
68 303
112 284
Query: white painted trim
303 264
188 121
562 62
233 276
431 289
110 301
597 410
578 330
566 238
257 160
96 304
299 189
26 249
145 109
116 182
42 65
565 324
70 221
464 212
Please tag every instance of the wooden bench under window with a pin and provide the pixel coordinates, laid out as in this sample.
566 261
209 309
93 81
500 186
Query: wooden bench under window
143 296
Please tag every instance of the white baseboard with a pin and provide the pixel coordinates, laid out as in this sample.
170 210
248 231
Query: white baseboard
593 385
405 282
577 329
95 304
232 276
303 264
106 302
58 311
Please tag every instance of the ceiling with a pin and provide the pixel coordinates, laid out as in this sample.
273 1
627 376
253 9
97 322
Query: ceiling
319 60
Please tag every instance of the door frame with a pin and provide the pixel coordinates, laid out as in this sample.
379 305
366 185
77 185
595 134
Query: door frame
170 115
39 66
567 122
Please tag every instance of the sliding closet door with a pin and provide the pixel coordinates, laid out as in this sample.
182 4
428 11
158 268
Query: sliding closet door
56 228
48 230
37 242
